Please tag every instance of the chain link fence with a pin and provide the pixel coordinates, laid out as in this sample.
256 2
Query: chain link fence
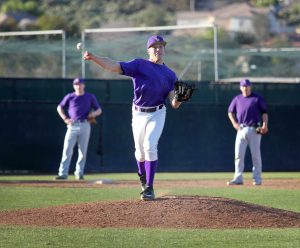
190 55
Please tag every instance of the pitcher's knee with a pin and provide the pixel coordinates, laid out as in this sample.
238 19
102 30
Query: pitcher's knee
151 154
139 156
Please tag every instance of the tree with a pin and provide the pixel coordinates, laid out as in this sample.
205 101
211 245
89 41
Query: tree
75 14
30 7
46 22
261 27
244 38
292 16
264 3
153 15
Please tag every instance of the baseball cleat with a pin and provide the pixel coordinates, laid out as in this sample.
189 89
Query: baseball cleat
232 182
143 181
148 194
79 177
61 178
256 183
143 187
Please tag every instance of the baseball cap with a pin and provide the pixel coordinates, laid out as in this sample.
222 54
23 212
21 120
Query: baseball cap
78 81
245 82
155 39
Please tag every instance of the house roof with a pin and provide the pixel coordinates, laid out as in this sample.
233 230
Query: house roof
238 10
226 12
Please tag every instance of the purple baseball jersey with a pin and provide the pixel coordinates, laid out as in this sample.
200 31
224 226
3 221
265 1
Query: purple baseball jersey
151 82
79 106
248 109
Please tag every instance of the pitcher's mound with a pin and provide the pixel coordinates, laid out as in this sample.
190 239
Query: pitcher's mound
164 212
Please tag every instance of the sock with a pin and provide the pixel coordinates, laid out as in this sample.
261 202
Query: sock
141 168
150 167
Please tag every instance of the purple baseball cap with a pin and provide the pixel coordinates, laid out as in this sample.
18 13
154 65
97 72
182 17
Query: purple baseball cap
245 82
78 81
154 40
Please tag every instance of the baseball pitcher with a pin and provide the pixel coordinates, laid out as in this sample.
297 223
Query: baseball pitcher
153 83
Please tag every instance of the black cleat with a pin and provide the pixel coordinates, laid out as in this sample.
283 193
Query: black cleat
143 182
60 178
79 178
148 194
233 182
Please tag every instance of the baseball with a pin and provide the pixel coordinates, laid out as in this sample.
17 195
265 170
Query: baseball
79 46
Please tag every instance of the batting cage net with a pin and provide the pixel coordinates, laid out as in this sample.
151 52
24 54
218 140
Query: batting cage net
195 53
190 55
259 62
33 54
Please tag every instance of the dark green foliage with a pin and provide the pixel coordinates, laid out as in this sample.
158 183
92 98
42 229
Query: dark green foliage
244 38
76 15
263 3
29 6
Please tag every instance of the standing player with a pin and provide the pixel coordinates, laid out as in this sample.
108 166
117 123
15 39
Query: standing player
153 83
81 107
248 115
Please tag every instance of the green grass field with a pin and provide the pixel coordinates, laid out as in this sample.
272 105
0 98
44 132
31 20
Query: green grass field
14 197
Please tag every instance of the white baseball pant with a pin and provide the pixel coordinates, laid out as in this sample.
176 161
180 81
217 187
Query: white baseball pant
77 133
147 129
245 137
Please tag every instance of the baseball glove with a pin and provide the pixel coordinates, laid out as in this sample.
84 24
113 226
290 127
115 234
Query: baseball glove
259 129
183 91
92 120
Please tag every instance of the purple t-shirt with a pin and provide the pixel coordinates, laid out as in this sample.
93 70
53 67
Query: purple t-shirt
248 110
151 82
79 107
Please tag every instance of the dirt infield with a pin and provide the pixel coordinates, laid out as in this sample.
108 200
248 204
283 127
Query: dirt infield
268 184
167 211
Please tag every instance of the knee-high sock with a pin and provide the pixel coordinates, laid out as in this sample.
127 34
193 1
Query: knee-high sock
141 168
150 167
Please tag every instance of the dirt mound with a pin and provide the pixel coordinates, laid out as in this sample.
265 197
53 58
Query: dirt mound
164 212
